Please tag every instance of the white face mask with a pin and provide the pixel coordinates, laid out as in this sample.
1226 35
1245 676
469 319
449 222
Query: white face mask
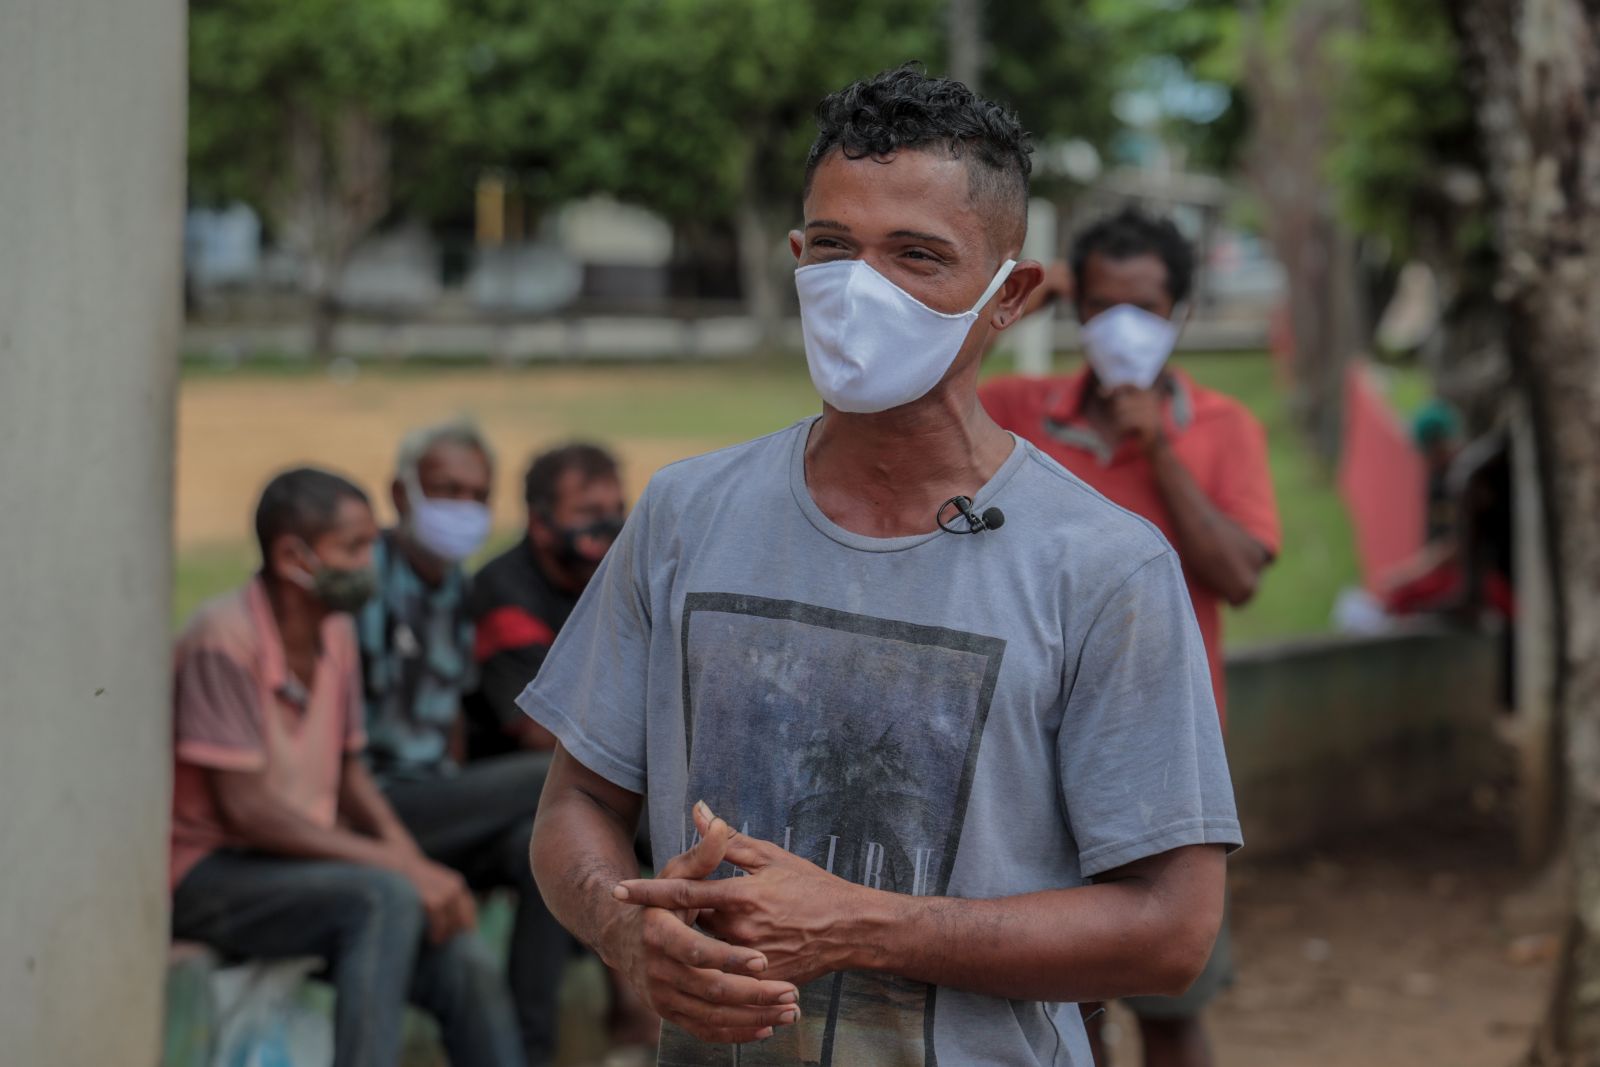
1127 345
871 345
450 529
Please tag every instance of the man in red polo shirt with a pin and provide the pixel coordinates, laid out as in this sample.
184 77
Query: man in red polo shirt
1190 460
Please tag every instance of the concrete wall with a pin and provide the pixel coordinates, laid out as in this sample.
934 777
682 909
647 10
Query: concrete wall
1335 734
91 192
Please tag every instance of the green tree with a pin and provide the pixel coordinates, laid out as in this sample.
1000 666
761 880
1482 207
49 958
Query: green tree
1058 64
1404 127
1350 127
696 109
701 109
294 107
1410 178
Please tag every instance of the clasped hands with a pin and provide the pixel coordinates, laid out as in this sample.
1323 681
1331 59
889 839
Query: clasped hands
760 936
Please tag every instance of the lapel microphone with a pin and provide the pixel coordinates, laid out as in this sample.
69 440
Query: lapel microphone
991 519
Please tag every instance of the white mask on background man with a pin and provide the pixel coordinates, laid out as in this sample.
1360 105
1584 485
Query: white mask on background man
871 345
1127 345
450 529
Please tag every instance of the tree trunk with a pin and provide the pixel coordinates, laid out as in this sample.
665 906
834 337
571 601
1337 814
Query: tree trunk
1536 75
966 42
757 280
324 320
335 192
1291 85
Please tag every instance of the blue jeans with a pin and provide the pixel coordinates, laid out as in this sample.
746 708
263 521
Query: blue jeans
478 821
369 927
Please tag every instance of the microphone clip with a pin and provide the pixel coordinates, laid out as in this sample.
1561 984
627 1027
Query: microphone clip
991 519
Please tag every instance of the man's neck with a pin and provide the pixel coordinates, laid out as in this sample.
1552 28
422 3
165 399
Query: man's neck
554 573
299 616
429 567
885 475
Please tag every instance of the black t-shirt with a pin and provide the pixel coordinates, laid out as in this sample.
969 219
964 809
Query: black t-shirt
518 612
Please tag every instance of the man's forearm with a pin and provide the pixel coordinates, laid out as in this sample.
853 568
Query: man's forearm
580 850
284 832
1214 547
363 804
1097 942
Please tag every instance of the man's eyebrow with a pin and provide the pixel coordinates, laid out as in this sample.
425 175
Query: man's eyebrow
827 224
917 235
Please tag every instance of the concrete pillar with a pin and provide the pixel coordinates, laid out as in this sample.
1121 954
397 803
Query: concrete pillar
91 201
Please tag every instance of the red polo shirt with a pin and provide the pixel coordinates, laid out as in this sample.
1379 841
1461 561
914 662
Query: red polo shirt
1213 436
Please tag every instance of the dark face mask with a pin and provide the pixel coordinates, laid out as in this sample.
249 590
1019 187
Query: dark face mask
567 537
343 589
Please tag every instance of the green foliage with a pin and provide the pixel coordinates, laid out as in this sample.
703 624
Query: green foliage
680 106
684 106
254 63
1401 110
1403 120
1204 38
1056 63
675 105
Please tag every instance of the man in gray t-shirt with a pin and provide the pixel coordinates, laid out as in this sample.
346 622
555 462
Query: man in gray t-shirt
969 773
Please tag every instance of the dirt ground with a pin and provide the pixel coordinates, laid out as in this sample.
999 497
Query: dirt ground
235 429
234 433
1420 946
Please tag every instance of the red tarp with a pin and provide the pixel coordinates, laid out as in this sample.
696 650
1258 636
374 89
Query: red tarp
1381 478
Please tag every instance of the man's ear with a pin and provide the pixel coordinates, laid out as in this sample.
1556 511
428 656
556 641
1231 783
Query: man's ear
283 556
397 496
1025 277
797 243
538 529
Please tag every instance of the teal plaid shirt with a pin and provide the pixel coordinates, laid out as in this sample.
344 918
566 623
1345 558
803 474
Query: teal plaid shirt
416 662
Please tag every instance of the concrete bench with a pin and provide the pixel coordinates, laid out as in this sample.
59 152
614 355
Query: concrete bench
198 993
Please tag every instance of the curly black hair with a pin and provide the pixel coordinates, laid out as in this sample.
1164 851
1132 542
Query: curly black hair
906 108
1129 233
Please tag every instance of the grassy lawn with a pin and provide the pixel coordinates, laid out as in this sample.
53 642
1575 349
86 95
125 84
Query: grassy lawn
237 427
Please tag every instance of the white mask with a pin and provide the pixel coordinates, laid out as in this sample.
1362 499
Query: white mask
871 345
450 529
1127 345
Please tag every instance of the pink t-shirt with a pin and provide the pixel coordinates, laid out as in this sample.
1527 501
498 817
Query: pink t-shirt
237 708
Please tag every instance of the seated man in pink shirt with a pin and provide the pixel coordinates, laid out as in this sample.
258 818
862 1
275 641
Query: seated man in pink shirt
281 843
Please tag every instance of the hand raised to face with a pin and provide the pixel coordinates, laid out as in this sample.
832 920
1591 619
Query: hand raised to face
1136 415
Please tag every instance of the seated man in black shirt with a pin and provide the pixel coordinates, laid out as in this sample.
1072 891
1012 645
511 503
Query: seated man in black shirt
521 599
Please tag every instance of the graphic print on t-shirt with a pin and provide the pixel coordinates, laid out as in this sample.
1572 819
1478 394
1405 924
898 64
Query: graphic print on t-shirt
850 741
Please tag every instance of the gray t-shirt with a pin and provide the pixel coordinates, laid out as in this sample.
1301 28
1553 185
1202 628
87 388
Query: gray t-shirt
969 716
